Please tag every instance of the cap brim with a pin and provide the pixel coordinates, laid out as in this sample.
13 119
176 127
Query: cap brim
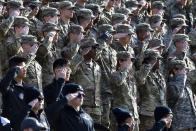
71 7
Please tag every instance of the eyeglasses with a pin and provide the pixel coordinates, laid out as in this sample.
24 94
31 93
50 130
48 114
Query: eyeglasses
80 95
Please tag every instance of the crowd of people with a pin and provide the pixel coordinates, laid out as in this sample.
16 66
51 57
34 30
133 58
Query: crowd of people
85 65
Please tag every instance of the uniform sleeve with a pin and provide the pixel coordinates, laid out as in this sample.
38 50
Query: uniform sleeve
76 61
71 51
142 74
119 77
14 48
5 26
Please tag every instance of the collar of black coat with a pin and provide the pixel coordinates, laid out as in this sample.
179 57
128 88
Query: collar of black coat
71 109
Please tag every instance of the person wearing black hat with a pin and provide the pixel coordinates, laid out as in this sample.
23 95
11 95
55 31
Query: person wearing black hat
37 111
31 124
72 117
124 119
13 90
163 118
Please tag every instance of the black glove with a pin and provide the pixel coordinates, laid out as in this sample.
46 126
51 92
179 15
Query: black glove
106 36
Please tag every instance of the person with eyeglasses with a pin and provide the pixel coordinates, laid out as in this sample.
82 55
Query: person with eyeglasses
72 117
163 118
34 94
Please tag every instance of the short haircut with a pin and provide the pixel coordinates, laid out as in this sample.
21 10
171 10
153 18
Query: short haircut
16 60
60 63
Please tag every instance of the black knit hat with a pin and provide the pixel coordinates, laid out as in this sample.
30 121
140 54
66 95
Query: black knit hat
121 114
32 93
161 111
71 88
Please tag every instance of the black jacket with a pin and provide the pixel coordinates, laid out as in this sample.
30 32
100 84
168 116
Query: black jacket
41 118
159 126
54 100
123 128
14 107
71 120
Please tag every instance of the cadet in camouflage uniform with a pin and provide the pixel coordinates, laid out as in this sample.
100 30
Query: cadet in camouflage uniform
66 10
182 48
109 10
34 69
107 62
85 19
47 53
80 4
75 35
135 8
13 9
157 24
151 87
143 31
35 24
123 44
50 15
126 12
86 72
178 26
181 7
180 98
124 87
21 27
158 8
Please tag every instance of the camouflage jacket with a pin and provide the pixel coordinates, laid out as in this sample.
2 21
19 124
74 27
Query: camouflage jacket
124 91
46 55
180 100
152 89
70 50
87 74
34 75
108 63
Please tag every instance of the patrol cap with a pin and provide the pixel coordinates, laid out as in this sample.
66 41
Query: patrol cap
157 5
121 114
15 4
156 43
132 4
124 28
156 18
178 22
54 5
32 93
33 123
21 21
118 17
66 5
88 42
177 64
124 11
47 27
49 11
94 7
180 38
71 88
76 29
151 53
124 55
85 13
143 26
32 1
105 27
179 16
28 39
